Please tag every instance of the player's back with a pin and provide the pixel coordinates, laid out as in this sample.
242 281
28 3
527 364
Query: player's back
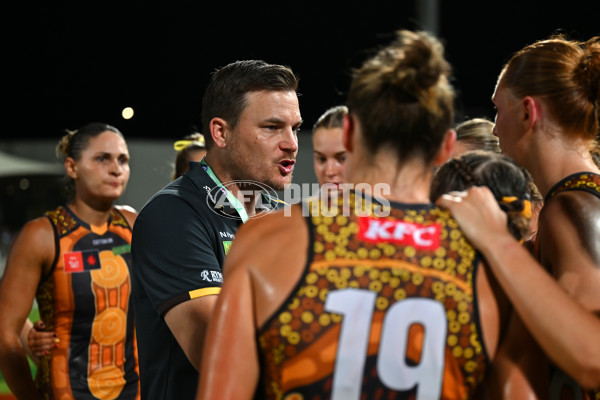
385 308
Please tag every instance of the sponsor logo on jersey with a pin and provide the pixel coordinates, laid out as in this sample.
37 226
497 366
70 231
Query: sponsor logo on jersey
425 237
226 235
227 246
124 249
211 276
80 261
102 241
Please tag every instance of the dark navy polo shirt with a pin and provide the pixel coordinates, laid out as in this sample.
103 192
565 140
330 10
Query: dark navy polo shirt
180 240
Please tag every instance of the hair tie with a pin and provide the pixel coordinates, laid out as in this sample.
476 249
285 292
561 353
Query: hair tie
513 203
182 144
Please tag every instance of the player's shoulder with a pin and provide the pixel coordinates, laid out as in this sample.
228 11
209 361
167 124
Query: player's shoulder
267 242
275 223
37 236
37 226
579 207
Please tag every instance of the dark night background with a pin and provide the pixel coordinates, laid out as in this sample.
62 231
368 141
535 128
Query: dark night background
69 63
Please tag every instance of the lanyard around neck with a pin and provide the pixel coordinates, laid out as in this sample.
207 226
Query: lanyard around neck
235 203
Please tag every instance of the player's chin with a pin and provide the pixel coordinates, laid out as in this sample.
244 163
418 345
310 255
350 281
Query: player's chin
112 195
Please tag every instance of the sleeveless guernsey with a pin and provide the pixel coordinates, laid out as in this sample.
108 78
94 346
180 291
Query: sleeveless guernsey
386 308
562 386
86 300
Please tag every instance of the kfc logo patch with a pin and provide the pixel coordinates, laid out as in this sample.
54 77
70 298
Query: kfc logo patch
423 237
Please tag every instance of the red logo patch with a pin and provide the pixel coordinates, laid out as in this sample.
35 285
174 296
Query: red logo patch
91 260
79 261
73 261
425 237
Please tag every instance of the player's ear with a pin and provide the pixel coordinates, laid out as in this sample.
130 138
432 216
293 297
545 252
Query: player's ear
530 112
71 168
446 147
348 132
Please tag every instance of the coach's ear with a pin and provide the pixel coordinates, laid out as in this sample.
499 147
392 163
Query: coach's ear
219 130
446 147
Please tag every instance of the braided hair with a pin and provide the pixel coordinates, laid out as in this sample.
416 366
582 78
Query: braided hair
511 184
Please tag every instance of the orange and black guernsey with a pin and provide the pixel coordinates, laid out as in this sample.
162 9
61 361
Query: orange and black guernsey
385 309
85 299
562 386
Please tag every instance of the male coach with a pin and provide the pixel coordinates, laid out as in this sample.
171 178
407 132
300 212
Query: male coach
251 116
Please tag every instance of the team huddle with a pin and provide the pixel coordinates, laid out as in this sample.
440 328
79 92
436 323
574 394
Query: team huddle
433 263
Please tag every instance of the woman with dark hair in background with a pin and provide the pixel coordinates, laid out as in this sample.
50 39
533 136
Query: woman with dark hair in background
75 260
510 184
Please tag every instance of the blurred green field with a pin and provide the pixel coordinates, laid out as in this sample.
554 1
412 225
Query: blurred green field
5 392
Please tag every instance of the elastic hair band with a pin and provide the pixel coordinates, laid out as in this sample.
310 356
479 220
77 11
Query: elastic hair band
515 204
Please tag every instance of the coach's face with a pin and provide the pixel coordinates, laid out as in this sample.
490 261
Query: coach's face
263 145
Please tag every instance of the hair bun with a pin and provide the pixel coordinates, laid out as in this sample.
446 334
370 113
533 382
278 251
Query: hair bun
587 72
62 149
427 57
416 64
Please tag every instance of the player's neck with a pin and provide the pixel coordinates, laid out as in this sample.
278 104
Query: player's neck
408 183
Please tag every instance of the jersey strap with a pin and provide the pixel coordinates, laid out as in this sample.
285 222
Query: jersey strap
586 181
